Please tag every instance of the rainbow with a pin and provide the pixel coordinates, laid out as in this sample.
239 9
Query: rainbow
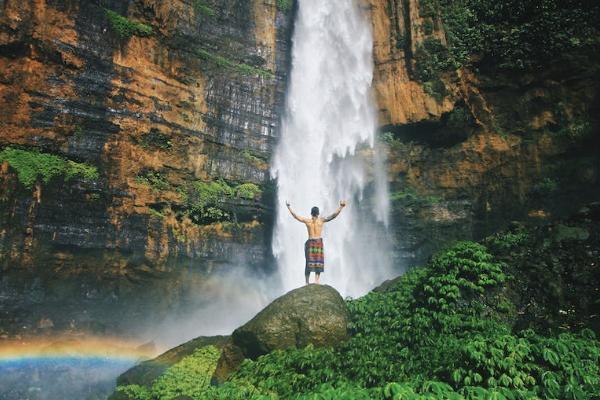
90 348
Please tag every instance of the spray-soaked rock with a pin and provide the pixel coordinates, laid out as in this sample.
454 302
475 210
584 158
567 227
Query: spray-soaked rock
314 314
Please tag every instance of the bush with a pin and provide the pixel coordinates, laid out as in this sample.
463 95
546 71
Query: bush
248 191
285 5
154 180
438 332
32 166
126 28
201 8
239 67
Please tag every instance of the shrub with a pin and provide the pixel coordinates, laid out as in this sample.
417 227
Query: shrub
285 5
248 191
32 166
154 180
202 8
126 28
241 68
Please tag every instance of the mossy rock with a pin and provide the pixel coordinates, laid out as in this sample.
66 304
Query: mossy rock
145 373
313 314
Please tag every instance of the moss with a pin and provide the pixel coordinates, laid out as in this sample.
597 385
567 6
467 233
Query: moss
248 191
32 166
126 28
436 89
254 160
156 139
285 5
200 7
410 196
189 378
210 202
153 179
241 68
78 132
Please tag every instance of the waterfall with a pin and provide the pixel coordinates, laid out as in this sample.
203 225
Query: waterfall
327 151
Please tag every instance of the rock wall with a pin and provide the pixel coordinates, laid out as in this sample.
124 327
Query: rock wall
492 147
196 99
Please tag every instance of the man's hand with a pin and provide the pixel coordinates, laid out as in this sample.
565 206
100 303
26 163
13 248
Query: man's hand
287 203
342 203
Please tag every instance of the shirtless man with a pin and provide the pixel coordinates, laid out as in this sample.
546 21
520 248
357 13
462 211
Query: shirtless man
313 248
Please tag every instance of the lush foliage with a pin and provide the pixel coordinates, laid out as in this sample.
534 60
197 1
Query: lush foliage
200 7
32 166
439 332
126 28
240 67
153 179
515 34
285 5
211 201
189 377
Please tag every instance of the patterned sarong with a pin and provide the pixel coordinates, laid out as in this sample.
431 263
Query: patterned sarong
315 257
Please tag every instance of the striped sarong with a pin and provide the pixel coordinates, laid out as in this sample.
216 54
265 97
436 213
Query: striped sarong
315 257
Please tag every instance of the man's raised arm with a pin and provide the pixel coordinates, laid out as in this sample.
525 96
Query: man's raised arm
287 203
337 212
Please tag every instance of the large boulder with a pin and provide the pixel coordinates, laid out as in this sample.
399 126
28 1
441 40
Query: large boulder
314 314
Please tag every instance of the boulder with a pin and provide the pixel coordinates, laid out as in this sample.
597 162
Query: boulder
313 314
146 372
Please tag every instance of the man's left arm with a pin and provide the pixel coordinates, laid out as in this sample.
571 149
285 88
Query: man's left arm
336 213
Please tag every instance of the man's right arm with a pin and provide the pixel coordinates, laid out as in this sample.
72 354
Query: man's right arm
303 220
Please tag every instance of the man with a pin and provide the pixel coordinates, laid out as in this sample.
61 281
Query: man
313 248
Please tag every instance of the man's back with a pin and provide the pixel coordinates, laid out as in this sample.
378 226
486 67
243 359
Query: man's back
314 226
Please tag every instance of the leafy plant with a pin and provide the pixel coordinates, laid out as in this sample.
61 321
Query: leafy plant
200 7
126 28
242 68
154 180
248 191
285 5
32 166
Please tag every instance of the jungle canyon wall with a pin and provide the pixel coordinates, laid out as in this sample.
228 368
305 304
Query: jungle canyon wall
485 130
174 108
155 134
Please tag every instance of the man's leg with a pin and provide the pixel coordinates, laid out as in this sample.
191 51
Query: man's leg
307 275
317 276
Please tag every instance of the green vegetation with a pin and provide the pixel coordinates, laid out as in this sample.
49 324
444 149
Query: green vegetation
410 196
32 166
254 160
242 68
154 180
208 202
285 5
188 377
444 331
200 7
513 34
156 139
126 28
248 191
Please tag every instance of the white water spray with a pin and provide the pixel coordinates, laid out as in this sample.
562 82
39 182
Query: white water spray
330 116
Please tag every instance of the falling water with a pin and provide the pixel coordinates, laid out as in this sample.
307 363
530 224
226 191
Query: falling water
328 152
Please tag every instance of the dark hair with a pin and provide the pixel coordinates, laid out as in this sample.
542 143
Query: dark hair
314 211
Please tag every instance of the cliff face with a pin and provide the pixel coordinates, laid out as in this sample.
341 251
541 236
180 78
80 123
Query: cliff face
176 106
471 149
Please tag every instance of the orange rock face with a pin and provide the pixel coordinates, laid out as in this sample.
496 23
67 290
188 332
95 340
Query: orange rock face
497 147
196 100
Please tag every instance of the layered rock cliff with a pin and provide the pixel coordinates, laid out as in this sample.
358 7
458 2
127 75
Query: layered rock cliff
174 106
136 136
473 146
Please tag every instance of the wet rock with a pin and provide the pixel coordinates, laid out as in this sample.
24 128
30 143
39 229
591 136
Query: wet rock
313 314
